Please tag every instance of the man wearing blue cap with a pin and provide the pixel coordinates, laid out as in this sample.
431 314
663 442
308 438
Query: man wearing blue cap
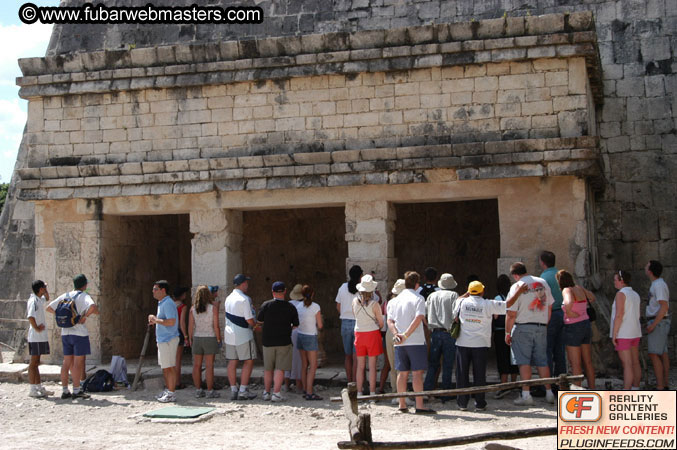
239 337
278 318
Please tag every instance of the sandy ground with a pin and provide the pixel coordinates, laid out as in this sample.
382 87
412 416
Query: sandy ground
110 420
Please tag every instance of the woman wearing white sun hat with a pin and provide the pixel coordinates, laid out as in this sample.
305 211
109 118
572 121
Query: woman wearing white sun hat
368 324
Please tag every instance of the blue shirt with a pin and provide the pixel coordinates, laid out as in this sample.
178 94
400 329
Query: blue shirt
549 276
166 309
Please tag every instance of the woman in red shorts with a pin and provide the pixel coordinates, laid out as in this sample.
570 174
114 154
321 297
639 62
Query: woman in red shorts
626 329
368 324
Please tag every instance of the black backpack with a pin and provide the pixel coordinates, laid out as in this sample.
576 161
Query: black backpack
427 289
67 313
99 381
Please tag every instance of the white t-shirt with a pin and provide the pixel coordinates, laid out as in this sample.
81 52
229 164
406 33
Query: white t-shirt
239 305
36 309
82 303
630 326
475 314
402 310
307 321
532 306
345 299
657 292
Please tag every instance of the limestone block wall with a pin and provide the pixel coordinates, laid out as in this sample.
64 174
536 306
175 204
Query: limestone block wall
68 242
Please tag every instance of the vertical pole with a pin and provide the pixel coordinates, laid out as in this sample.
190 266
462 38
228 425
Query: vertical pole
352 394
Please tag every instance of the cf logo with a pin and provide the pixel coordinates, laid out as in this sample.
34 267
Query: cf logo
580 407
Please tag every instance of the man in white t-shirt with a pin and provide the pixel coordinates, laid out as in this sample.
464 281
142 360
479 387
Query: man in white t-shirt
37 336
406 314
472 346
658 323
529 314
239 337
344 305
75 339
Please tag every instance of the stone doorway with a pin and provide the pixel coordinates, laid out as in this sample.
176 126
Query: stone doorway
460 237
136 251
304 246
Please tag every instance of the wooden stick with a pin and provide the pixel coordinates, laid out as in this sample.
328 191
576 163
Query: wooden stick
349 397
469 390
143 354
461 440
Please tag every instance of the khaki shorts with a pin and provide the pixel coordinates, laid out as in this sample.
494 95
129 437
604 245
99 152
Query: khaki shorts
166 353
242 352
205 345
277 358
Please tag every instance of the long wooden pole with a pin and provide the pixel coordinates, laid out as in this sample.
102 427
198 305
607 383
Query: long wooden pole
461 440
470 390
143 354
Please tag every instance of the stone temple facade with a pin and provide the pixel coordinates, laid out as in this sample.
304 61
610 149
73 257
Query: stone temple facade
387 133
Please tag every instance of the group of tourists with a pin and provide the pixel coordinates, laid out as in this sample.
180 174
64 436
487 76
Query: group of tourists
422 325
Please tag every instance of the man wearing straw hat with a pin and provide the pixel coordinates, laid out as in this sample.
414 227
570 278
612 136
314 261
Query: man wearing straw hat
439 309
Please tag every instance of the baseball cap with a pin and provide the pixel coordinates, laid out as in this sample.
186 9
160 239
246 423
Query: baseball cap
475 288
279 286
239 279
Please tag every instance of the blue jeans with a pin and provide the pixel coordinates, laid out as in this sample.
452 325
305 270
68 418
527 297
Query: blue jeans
556 355
442 345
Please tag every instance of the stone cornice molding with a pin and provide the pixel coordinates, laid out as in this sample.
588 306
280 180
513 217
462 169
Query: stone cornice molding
476 42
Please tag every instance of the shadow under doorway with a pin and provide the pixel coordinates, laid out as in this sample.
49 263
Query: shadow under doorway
137 251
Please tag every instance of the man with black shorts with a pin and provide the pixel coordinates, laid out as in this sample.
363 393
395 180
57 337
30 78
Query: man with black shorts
75 340
37 337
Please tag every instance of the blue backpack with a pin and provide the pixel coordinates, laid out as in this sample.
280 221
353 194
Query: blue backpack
67 313
99 381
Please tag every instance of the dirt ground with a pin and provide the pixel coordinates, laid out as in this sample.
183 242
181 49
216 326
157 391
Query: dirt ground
110 420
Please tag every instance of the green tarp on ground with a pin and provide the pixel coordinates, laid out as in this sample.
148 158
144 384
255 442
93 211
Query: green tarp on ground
178 412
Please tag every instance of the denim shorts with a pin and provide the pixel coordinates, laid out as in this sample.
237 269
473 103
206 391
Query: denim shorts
307 342
658 339
348 336
529 345
577 334
75 345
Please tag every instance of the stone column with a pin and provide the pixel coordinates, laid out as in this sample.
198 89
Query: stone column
371 244
216 247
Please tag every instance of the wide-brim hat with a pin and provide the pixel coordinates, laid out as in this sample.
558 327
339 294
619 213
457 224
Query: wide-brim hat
295 293
398 287
447 281
475 288
367 284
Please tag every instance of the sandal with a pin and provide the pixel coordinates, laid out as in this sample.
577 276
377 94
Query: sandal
313 396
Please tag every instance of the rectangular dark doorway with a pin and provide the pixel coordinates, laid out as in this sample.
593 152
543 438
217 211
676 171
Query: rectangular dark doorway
305 246
137 251
461 238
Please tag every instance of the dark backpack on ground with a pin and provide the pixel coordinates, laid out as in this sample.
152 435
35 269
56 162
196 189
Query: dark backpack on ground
67 313
99 381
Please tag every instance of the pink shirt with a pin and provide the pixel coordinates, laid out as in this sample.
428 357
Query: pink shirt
578 307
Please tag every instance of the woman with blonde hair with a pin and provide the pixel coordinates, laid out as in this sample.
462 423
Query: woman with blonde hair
204 337
368 324
577 329
625 329
310 321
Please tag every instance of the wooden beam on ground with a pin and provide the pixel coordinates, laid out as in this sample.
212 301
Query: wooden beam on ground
461 440
470 390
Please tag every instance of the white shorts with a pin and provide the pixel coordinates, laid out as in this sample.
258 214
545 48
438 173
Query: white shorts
166 353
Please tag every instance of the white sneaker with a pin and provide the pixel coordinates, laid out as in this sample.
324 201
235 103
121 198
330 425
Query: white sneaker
266 396
276 397
521 401
161 394
35 393
246 395
45 391
549 397
199 393
167 398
